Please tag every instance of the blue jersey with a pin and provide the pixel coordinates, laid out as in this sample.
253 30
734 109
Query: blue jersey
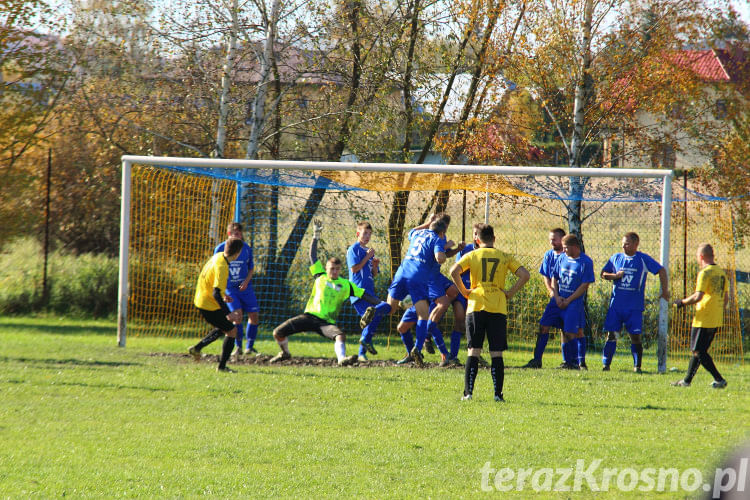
420 262
627 292
240 267
466 275
548 263
571 273
363 277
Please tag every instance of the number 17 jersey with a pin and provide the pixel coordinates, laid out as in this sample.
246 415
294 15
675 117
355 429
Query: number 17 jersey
488 268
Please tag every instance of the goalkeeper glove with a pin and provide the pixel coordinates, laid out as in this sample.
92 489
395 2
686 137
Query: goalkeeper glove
317 228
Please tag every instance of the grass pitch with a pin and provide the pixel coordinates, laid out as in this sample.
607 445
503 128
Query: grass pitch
81 417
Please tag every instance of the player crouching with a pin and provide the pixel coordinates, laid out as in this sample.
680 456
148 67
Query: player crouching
328 293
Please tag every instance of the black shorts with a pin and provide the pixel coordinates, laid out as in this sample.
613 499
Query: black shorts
218 319
308 323
494 325
701 338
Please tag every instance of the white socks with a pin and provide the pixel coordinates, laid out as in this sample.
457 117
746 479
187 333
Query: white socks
340 349
284 344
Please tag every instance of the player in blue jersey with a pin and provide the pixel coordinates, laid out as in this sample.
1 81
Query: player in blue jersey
628 271
427 251
545 269
573 272
241 291
363 267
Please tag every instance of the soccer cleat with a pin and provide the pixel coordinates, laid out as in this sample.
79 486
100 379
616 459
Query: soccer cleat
534 363
369 346
681 383
406 303
637 369
362 358
408 359
444 361
224 369
499 399
466 397
454 362
195 353
250 350
429 346
418 358
567 366
236 353
348 360
367 317
483 363
719 384
582 366
605 368
280 357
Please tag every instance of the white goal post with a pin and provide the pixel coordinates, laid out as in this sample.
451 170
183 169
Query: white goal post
128 161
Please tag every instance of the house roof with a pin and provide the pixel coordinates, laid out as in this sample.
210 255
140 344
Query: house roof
713 65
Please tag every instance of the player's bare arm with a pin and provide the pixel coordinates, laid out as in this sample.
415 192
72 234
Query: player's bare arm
613 276
578 293
664 280
362 263
523 276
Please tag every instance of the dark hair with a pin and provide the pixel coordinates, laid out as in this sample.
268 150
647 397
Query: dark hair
571 240
442 216
232 246
633 237
558 231
706 250
234 226
486 233
438 226
335 261
364 225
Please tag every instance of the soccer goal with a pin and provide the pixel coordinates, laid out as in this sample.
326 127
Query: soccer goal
175 211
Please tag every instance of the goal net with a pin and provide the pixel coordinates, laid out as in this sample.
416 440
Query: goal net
176 210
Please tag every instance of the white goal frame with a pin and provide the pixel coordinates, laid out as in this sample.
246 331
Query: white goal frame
129 160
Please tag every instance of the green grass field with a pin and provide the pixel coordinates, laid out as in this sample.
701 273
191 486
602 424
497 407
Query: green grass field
83 418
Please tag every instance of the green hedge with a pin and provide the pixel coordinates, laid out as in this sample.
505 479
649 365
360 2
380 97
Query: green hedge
83 285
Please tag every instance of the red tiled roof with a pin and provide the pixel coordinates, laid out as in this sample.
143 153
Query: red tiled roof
713 65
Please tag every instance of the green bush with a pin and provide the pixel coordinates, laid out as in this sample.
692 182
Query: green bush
78 285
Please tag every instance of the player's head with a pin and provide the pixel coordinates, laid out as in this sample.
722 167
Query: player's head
630 243
444 217
571 245
234 230
475 232
364 233
438 226
486 235
232 248
705 253
333 268
555 238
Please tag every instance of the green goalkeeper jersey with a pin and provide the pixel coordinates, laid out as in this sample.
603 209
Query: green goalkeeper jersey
327 295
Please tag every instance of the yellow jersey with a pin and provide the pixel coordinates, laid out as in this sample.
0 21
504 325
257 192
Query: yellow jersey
709 312
488 268
213 275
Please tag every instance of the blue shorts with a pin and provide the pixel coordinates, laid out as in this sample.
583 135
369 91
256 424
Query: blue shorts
631 318
410 316
569 320
438 286
242 300
403 286
462 300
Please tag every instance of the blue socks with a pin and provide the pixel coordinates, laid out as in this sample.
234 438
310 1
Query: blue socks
609 352
437 336
541 343
251 332
455 344
408 341
421 333
382 309
582 343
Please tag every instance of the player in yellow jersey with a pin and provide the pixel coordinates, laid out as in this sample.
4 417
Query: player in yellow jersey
487 309
211 302
329 292
710 296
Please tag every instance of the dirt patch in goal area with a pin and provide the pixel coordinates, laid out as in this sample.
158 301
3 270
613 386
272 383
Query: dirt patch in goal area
263 360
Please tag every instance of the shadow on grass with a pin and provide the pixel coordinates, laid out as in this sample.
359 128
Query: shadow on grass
67 361
35 325
115 386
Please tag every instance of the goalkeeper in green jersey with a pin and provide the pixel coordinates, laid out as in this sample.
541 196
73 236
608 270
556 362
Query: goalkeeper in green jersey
328 293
